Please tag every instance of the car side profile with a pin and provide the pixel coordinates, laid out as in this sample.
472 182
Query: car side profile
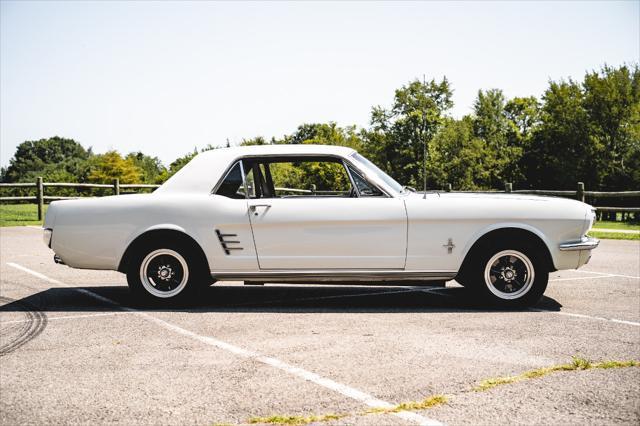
313 214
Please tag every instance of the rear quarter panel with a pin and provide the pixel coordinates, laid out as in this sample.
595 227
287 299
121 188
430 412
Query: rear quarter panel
94 233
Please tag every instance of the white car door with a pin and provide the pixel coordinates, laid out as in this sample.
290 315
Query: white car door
312 229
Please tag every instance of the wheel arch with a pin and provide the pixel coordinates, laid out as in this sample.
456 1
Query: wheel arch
169 232
509 231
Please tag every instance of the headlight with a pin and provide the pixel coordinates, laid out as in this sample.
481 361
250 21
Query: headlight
46 236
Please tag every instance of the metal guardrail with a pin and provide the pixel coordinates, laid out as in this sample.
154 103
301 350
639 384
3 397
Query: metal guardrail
40 198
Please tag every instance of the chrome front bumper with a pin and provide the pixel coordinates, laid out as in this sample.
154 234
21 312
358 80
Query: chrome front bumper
586 243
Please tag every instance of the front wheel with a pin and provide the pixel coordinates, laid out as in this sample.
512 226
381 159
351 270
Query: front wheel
510 275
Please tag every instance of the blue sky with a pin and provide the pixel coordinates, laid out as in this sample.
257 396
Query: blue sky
163 77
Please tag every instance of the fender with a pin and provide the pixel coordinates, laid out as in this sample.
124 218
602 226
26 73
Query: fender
158 227
504 225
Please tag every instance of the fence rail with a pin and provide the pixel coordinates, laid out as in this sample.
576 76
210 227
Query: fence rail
40 198
579 193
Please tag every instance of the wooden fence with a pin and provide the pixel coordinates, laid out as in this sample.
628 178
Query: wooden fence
40 186
580 193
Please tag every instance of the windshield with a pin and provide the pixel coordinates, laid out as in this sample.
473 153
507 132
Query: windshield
374 170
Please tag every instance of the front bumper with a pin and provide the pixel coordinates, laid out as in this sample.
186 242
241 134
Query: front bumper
586 243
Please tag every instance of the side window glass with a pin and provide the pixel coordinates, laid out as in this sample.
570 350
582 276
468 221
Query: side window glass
364 188
232 185
309 179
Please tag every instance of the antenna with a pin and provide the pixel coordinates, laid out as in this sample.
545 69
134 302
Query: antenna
424 155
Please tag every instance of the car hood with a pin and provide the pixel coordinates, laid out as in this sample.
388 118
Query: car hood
503 199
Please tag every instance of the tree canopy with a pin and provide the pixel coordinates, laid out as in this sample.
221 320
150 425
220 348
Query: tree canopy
585 131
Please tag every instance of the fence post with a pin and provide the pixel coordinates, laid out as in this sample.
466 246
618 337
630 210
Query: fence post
448 188
508 187
39 196
580 191
116 186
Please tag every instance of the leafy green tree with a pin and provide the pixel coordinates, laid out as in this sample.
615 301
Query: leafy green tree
560 153
51 158
493 126
110 165
153 171
398 134
612 105
458 157
325 134
523 115
258 140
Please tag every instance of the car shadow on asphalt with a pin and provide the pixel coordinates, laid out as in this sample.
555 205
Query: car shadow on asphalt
272 298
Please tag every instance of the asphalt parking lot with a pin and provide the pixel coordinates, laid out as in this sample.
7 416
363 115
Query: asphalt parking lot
74 350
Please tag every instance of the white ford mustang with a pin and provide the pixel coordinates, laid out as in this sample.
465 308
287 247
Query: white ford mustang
309 214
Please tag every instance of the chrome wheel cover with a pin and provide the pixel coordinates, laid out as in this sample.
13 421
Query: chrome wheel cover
164 273
509 274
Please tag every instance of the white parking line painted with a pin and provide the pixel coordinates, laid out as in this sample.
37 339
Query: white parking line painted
570 314
67 317
340 388
605 273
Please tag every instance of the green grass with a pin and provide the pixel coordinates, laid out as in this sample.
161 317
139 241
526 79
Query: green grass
606 224
295 420
19 214
425 404
613 235
577 363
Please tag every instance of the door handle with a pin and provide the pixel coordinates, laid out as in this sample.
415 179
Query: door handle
254 207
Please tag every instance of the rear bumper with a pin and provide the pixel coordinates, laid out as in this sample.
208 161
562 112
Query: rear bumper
586 243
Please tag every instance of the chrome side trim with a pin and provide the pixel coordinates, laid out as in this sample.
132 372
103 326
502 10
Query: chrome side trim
586 243
312 276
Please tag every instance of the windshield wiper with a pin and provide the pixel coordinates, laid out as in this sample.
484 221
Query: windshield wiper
408 188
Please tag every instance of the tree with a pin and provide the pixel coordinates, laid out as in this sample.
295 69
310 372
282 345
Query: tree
52 158
612 105
258 140
560 152
458 157
523 115
153 171
491 124
398 135
325 134
110 165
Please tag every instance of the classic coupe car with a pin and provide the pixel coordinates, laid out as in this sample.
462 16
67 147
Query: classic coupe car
314 214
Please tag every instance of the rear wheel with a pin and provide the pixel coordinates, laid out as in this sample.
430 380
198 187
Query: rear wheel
166 272
510 274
